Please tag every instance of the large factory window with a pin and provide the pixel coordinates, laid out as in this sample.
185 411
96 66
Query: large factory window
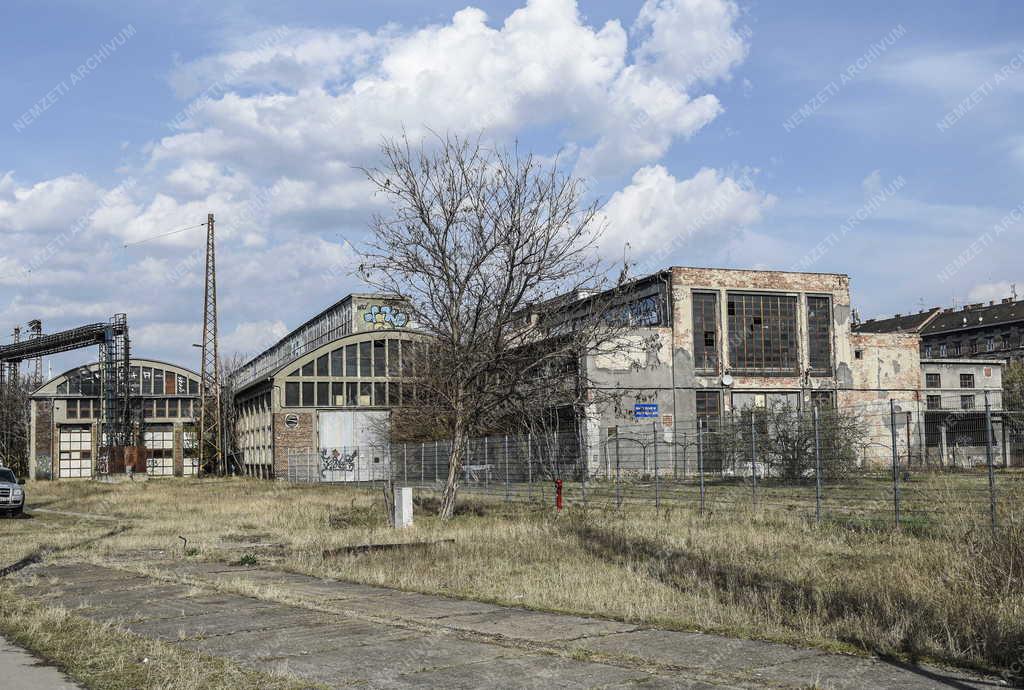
379 357
763 334
705 332
819 335
364 359
291 394
351 364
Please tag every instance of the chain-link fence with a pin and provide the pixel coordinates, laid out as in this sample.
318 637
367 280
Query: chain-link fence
348 464
916 462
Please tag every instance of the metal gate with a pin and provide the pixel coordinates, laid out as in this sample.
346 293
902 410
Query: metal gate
343 455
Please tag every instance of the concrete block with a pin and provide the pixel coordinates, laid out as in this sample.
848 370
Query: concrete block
403 506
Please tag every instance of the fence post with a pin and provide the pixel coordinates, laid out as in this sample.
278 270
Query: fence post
817 466
988 457
529 463
405 462
487 469
700 460
507 485
618 473
895 464
435 461
423 464
657 479
753 458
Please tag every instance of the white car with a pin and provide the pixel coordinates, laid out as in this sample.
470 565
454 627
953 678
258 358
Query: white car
12 495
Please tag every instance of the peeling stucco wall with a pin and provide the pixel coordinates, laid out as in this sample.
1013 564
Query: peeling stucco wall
721 281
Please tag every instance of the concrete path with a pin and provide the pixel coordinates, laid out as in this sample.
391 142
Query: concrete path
21 670
343 634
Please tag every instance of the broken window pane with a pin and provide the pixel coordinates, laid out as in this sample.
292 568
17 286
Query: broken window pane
763 334
819 335
705 329
379 358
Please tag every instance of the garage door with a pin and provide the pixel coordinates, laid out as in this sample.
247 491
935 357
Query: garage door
346 445
159 440
75 452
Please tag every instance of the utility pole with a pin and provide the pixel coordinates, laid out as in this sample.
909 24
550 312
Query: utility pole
210 442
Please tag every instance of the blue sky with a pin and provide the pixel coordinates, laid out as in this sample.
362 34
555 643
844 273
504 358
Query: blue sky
881 140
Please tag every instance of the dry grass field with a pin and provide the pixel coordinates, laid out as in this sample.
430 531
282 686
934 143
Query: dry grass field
952 593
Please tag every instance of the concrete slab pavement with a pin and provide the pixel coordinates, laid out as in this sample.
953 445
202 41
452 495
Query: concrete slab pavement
350 633
19 669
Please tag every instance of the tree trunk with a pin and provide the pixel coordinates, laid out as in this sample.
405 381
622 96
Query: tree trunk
454 467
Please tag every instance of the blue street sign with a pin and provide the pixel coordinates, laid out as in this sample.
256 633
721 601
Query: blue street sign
645 410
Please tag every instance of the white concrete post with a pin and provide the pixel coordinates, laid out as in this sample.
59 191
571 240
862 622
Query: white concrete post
403 506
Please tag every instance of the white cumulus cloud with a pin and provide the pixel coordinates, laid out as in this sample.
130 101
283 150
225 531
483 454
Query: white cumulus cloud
656 214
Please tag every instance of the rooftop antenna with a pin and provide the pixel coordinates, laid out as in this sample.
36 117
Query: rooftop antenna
1013 291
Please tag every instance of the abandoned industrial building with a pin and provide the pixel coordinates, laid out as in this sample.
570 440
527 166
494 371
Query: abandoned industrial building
64 431
726 340
326 388
703 344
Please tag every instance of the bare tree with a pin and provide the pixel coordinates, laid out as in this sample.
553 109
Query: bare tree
14 402
478 241
229 364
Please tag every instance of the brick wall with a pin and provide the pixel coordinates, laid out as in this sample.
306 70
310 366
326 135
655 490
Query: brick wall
303 435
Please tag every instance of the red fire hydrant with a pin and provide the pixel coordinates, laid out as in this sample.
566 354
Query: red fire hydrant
558 494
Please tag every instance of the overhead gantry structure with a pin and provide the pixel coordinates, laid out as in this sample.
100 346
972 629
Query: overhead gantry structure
116 420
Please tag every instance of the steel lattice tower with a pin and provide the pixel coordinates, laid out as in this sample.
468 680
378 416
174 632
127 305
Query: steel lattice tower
210 451
35 327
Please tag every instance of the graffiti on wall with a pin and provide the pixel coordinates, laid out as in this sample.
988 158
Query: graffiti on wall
385 316
335 460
